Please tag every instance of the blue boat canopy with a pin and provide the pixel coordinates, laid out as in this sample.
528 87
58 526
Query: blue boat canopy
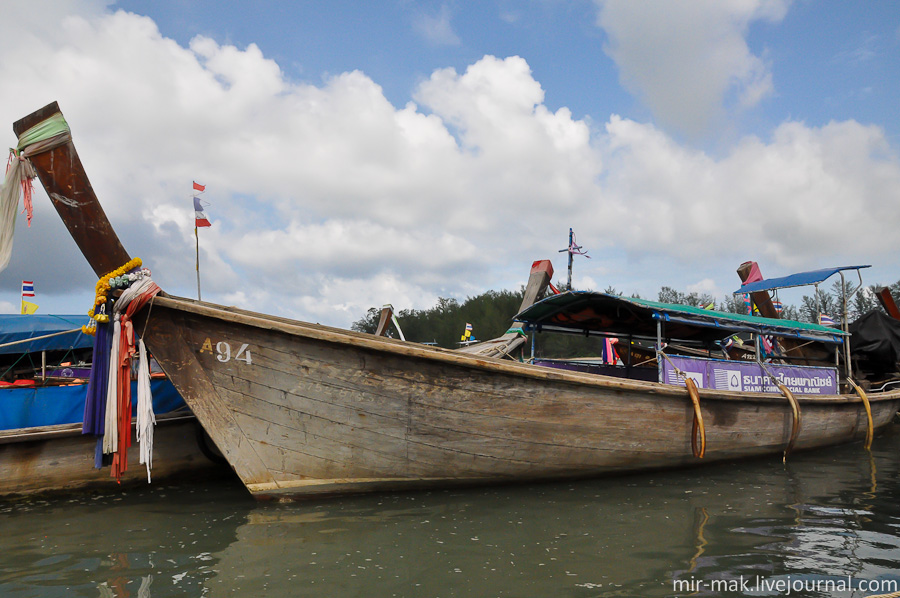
801 279
586 312
16 327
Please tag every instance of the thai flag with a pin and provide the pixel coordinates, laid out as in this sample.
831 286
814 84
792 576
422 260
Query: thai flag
825 320
200 219
28 288
778 305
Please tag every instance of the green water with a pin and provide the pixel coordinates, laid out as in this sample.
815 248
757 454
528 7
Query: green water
825 524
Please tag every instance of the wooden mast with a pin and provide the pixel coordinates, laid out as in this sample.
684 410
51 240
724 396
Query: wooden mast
67 184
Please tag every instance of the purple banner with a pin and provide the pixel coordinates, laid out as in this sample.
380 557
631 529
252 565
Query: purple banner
746 376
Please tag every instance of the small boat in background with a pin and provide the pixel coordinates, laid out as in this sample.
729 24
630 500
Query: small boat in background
44 368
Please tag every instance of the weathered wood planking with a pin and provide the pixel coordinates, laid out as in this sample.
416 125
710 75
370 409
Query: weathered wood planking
163 336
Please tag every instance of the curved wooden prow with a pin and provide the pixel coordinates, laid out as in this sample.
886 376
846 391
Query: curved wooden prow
883 294
761 298
538 281
801 352
384 320
65 181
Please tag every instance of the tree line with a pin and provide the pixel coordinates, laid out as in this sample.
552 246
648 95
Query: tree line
491 313
827 301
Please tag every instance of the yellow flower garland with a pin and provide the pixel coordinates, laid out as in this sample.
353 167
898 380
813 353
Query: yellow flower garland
102 289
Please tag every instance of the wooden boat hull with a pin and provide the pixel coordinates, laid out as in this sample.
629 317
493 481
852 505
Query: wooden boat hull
315 410
43 450
60 459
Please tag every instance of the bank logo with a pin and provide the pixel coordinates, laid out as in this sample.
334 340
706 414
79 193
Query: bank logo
727 379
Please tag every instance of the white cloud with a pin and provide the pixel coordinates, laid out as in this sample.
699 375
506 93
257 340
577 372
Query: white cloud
790 200
688 60
327 200
328 246
705 286
437 29
864 51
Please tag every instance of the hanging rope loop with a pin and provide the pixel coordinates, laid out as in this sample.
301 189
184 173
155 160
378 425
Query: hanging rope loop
697 426
795 411
795 423
870 425
698 446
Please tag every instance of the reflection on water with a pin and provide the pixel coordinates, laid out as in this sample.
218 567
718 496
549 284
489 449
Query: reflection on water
156 542
732 530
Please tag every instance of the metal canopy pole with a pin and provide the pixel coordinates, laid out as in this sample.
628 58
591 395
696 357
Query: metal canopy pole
845 326
659 349
532 346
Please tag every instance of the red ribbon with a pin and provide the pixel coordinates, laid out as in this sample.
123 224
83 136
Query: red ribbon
126 352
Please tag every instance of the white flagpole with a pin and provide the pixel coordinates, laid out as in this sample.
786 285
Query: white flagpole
197 239
197 210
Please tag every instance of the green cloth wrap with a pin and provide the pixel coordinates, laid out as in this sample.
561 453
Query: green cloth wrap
44 130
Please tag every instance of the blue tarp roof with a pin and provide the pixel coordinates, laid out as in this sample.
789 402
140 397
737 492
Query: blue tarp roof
801 279
19 327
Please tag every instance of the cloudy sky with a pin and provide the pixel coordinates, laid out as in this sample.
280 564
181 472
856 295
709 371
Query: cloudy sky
399 151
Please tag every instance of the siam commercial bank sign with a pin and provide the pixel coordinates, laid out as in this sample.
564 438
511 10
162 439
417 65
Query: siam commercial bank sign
745 376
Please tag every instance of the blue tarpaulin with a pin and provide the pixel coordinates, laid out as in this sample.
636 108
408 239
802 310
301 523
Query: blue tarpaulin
54 405
801 279
20 327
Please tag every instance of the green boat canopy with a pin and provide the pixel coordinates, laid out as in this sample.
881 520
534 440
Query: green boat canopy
600 313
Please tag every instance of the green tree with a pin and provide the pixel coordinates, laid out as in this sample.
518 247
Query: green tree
369 323
821 302
790 312
733 304
490 314
670 295
864 302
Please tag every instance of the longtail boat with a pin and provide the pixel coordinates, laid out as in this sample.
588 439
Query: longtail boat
300 409
44 366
